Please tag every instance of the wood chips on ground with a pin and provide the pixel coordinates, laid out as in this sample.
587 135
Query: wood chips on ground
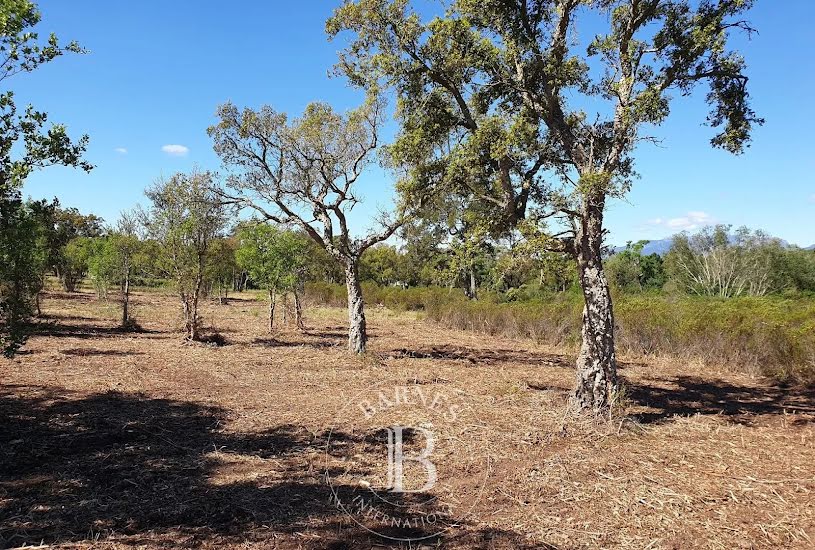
115 439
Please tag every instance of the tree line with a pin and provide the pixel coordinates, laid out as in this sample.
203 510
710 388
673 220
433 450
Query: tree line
191 239
185 239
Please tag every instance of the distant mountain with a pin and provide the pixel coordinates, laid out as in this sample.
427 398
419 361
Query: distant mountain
660 246
663 246
811 247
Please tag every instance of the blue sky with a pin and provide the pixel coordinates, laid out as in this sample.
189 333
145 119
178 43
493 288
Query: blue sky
157 70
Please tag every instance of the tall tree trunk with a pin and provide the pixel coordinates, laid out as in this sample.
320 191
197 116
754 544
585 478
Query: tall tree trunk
195 321
285 309
272 300
38 295
126 301
357 333
68 280
298 307
597 364
185 304
473 286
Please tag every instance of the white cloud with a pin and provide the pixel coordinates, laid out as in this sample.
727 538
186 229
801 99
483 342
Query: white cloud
121 150
689 222
175 150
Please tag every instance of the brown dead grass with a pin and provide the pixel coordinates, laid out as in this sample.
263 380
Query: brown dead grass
139 439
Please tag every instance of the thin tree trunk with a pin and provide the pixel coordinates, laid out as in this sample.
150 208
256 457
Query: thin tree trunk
473 286
272 300
194 318
68 283
196 294
285 309
596 382
298 308
126 301
185 304
38 295
357 333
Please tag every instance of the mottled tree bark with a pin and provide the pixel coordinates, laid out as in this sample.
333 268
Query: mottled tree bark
126 301
596 364
472 286
357 334
272 300
298 306
190 331
192 321
195 320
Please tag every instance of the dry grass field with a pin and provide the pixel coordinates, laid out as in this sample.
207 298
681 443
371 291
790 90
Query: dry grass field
115 439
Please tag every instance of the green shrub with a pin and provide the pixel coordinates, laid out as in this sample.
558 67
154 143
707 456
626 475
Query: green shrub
771 335
395 298
326 294
774 336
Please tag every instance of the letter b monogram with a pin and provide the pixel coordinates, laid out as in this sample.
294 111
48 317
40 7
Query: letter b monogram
397 458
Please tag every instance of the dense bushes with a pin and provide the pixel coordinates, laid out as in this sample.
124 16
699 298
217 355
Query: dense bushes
771 335
774 336
395 298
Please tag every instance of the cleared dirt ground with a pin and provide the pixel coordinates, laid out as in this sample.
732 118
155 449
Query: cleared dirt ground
117 439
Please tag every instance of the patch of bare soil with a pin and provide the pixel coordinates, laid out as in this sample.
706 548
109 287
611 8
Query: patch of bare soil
120 439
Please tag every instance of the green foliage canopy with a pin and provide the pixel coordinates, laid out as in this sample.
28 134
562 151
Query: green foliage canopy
493 95
274 258
25 145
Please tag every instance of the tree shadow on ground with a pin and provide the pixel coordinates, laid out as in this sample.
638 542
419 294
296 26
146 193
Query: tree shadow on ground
75 296
475 356
320 343
689 395
53 317
88 331
79 468
91 352
228 300
328 337
330 332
